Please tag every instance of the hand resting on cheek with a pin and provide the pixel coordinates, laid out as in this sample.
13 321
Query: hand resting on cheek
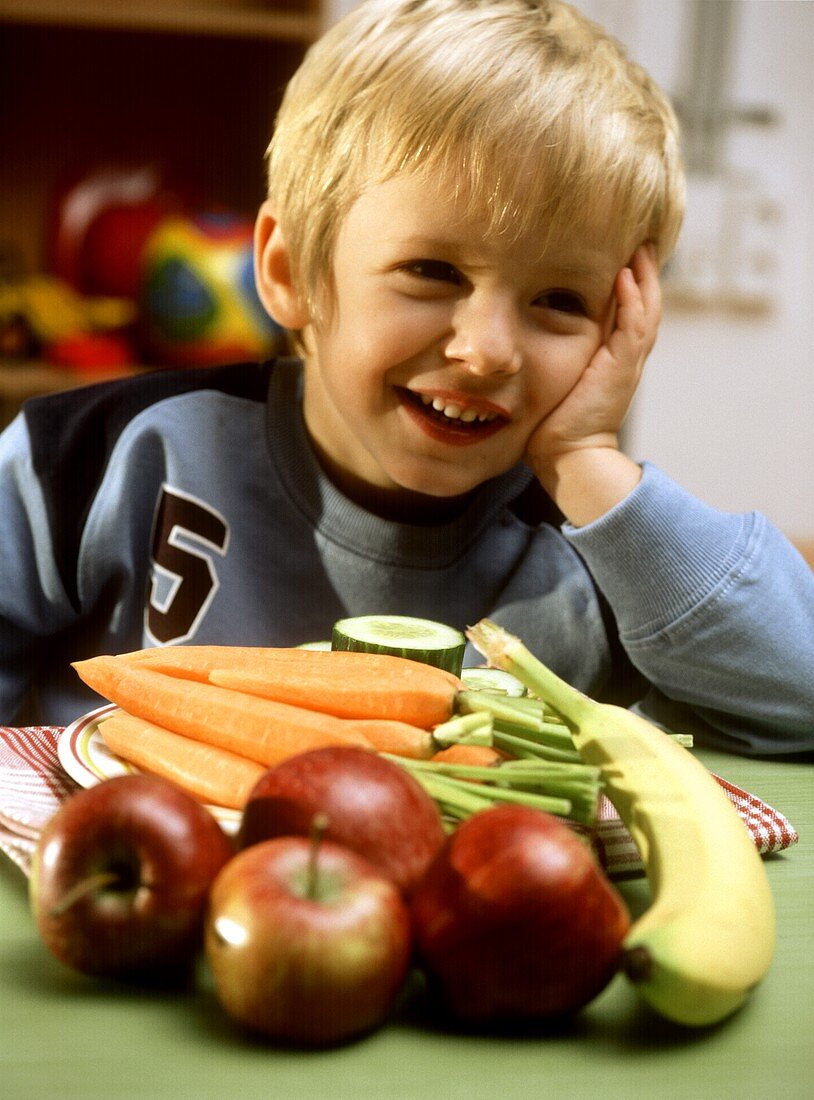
581 435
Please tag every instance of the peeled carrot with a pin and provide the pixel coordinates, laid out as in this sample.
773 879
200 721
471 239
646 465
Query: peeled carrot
190 657
483 756
399 698
398 738
195 661
259 729
345 684
208 773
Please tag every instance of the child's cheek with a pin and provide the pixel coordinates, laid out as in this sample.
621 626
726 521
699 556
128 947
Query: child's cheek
558 371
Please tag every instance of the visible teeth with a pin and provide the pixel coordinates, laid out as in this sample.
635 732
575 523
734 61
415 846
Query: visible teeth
453 411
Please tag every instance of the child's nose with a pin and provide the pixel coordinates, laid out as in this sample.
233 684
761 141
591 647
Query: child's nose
486 338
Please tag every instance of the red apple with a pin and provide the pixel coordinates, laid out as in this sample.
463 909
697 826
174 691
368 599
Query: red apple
308 947
373 806
120 877
516 920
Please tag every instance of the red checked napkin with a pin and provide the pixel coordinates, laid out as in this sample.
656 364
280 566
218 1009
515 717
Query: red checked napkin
771 830
33 784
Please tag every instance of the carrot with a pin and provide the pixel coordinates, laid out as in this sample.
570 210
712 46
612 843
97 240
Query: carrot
236 656
260 729
479 755
398 738
194 662
207 773
345 684
379 695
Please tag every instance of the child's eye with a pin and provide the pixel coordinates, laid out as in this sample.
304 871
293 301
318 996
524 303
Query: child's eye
563 301
436 270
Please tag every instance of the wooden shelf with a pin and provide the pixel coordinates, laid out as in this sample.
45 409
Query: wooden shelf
80 97
283 22
188 88
19 381
806 548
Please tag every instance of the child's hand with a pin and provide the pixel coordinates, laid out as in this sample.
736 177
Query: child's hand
583 429
592 413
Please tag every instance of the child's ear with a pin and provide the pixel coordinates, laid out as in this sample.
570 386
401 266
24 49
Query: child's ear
272 272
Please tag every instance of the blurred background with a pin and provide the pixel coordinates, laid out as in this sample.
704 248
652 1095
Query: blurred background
727 401
133 134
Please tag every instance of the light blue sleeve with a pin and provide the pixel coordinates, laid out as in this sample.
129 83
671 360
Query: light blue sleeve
715 609
33 602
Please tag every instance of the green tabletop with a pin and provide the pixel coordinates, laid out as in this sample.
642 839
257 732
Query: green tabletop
62 1035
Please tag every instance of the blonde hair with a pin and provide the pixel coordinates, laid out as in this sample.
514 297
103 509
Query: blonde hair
492 94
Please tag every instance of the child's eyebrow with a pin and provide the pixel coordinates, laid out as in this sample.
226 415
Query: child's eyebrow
597 269
586 277
422 241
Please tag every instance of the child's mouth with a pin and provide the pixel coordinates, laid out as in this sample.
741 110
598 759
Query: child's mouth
449 420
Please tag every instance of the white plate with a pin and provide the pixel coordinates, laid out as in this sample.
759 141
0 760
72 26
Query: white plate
87 759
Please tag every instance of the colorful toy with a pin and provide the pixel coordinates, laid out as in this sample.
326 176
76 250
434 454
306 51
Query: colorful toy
42 315
198 302
124 232
101 223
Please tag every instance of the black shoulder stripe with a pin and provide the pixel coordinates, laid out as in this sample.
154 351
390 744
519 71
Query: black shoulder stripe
533 506
73 433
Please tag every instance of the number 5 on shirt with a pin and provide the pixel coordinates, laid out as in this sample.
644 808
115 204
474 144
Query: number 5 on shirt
186 534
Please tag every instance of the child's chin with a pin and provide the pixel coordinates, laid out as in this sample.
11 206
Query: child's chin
438 489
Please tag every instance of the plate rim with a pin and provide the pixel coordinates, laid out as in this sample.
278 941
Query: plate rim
67 752
74 765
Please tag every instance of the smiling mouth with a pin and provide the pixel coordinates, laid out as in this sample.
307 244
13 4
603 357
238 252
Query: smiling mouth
445 417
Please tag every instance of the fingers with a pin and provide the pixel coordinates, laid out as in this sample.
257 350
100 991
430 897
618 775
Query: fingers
638 296
645 268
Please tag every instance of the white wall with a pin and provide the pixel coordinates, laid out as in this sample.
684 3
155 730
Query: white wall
727 402
335 9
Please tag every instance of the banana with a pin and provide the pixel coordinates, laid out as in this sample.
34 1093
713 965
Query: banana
708 937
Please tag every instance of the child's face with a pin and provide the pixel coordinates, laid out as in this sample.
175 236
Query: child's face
444 351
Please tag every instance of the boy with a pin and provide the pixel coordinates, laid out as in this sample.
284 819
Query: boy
468 206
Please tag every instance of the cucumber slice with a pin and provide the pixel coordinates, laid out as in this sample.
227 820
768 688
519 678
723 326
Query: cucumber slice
403 636
314 645
494 680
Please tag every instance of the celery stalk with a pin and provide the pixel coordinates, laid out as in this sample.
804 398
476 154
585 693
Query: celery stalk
458 793
505 651
501 709
464 729
563 789
527 748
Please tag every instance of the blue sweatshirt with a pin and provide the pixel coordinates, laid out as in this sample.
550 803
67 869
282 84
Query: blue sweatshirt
187 506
